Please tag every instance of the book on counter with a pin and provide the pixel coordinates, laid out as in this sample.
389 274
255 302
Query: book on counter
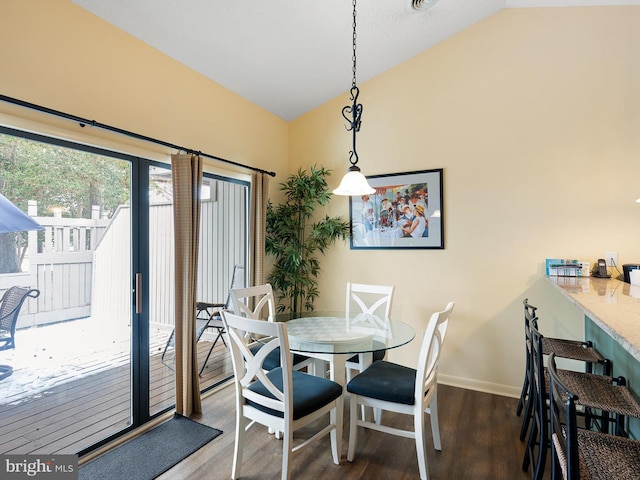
564 267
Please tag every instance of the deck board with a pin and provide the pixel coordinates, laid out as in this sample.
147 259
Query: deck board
78 413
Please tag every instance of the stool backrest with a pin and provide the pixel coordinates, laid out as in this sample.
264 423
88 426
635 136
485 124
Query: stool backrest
564 429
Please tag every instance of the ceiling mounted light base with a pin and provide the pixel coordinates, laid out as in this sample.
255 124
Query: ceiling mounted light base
422 4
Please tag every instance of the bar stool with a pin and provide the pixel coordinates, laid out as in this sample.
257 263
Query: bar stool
594 392
579 453
564 348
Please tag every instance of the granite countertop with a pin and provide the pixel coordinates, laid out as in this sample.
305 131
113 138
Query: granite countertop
613 305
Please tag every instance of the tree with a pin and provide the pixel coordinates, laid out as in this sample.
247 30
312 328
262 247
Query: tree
61 178
67 179
294 242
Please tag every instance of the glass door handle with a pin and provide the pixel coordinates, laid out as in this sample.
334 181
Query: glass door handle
138 293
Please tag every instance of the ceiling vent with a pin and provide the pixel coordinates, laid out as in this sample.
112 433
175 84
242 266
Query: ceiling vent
422 4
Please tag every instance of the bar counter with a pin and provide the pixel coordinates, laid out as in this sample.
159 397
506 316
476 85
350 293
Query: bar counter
612 305
612 322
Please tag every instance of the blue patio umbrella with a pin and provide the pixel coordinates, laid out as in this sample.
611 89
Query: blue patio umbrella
12 219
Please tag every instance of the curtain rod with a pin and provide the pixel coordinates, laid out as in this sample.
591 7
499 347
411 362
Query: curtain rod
84 122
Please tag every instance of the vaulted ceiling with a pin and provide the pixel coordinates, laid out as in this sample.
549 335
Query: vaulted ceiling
289 56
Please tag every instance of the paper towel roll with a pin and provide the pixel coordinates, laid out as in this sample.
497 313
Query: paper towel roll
634 276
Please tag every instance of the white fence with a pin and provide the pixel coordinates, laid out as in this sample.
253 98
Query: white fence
61 267
84 266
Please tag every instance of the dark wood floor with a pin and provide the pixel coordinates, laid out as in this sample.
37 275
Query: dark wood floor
479 435
78 413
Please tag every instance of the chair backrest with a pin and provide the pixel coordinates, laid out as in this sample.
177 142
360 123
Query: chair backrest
248 367
250 302
238 280
564 429
530 320
529 310
538 379
429 359
371 299
537 357
10 306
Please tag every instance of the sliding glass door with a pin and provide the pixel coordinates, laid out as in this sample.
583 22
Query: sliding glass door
73 383
94 356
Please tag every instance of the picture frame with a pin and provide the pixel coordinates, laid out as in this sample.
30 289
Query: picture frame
390 218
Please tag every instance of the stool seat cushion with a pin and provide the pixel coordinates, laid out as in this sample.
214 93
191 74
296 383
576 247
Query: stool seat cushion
386 381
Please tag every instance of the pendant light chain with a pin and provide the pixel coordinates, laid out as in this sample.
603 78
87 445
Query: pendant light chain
353 83
353 113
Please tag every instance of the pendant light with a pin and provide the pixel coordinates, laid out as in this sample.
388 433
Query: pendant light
353 183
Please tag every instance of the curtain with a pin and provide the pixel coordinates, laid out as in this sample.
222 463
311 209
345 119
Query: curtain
257 226
186 172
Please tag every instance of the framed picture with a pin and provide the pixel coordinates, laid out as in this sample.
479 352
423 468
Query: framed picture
405 211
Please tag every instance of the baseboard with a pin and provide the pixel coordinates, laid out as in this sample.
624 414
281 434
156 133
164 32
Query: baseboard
479 386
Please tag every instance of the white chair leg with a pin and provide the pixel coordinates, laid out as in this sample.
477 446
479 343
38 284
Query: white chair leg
435 424
239 446
353 427
418 423
336 437
287 445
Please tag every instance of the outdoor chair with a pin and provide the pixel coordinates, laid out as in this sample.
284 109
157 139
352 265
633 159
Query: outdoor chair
282 399
208 316
396 388
10 306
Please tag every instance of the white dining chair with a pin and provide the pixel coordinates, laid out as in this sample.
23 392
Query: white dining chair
254 302
282 399
251 302
397 388
369 300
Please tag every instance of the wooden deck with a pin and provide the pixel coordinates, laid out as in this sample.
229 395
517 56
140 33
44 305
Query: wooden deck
78 413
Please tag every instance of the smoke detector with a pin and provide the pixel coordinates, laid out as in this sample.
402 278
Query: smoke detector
422 4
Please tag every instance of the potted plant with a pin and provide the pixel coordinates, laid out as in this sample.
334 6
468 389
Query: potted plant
295 241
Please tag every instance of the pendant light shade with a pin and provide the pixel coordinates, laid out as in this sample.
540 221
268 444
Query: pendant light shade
354 184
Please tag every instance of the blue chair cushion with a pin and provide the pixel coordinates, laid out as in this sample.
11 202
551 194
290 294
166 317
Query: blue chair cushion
273 359
309 393
377 355
385 381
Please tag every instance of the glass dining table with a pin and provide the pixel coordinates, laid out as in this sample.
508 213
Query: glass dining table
334 337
